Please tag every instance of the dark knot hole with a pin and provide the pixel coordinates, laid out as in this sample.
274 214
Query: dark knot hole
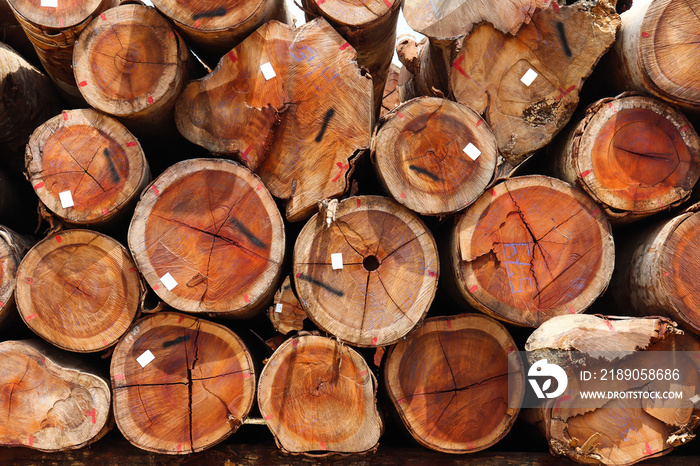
371 263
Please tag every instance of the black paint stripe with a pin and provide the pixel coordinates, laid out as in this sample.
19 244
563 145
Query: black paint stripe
210 14
176 341
326 119
562 36
325 286
248 234
425 172
112 168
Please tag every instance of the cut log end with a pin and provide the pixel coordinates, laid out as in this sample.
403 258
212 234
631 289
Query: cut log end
435 156
85 167
318 395
202 222
180 384
79 290
65 14
449 382
531 248
286 312
370 276
130 63
49 404
12 249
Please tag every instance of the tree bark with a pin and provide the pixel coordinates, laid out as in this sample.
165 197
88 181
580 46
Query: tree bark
78 290
434 156
618 432
635 156
388 275
287 313
27 99
12 249
53 32
93 158
12 34
370 27
214 29
656 51
530 248
181 384
656 270
130 63
299 130
449 382
50 402
527 85
202 222
318 395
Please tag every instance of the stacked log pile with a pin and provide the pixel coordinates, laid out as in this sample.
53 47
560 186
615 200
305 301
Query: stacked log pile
364 250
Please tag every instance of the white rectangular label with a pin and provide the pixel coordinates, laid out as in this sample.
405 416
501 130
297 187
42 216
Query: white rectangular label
472 151
267 71
528 77
66 199
337 260
168 281
145 358
278 307
49 3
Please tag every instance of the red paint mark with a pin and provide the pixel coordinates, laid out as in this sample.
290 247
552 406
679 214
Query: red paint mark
399 114
82 83
595 212
171 35
509 350
30 280
60 23
245 153
298 275
154 188
645 34
31 317
179 446
403 195
610 104
269 416
31 440
432 273
344 46
323 446
119 377
571 310
197 24
65 116
246 299
103 17
493 192
685 128
246 375
564 92
470 445
666 274
132 269
259 187
478 123
43 361
295 343
232 56
319 2
586 173
342 167
609 324
457 66
180 319
104 342
473 289
155 287
359 202
39 185
92 414
647 449
561 400
388 3
555 6
105 211
131 144
58 238
363 373
374 340
1 304
150 100
449 323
